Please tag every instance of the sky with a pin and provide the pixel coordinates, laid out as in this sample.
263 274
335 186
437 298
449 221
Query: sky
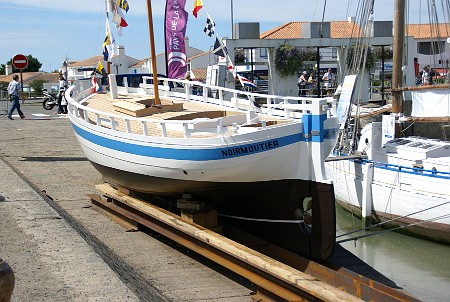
55 30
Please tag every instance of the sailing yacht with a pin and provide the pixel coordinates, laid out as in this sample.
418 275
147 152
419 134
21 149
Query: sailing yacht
393 180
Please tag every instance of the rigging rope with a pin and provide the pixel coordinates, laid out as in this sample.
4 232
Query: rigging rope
393 229
397 218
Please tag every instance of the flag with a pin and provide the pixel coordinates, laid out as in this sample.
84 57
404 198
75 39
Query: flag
95 86
176 19
101 69
198 4
219 48
209 27
123 4
108 44
246 82
119 18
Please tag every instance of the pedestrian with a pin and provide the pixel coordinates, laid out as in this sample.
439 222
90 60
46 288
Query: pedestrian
14 91
426 76
62 101
328 79
419 78
62 88
302 84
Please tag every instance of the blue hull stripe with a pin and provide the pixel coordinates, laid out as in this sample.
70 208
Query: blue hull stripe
197 154
404 169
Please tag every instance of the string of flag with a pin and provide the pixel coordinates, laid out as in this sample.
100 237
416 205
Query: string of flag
210 30
108 46
219 47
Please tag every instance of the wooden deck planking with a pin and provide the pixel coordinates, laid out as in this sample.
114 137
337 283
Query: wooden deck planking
104 103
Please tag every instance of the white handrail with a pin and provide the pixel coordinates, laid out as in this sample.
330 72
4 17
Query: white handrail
288 107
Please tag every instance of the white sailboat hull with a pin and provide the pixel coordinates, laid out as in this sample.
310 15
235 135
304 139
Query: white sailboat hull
390 187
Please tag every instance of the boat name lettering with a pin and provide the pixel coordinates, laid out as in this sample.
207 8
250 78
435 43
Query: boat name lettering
250 149
175 42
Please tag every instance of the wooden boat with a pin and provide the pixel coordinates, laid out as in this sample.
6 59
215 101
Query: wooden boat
400 182
261 165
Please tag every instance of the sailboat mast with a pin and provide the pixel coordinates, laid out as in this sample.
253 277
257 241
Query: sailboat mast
152 51
397 73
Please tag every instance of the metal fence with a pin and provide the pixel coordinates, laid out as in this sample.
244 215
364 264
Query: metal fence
4 102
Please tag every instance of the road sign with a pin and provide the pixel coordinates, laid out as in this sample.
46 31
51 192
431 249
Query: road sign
20 61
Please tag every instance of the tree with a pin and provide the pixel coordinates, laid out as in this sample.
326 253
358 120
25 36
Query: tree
33 65
382 52
354 62
37 86
289 59
3 85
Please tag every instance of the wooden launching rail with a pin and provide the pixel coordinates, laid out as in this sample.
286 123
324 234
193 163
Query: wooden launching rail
297 279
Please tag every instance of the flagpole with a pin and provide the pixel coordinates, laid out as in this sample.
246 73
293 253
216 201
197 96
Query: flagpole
153 55
232 31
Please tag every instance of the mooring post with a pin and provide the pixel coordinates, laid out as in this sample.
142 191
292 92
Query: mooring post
7 281
366 203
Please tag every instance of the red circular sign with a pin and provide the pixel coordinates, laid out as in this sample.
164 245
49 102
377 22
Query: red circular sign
20 61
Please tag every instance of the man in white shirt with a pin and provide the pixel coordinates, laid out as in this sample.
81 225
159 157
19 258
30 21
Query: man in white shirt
15 90
328 81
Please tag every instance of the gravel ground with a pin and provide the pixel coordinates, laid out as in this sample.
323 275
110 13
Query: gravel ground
62 250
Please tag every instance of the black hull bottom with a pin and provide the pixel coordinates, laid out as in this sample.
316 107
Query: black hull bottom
268 200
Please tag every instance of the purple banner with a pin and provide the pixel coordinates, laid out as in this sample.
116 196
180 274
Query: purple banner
175 29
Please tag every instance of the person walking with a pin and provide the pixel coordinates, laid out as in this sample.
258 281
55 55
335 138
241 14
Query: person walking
15 90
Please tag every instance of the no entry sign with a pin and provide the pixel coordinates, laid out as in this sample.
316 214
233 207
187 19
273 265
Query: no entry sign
20 61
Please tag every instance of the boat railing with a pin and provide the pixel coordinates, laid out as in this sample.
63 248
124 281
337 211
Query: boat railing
410 170
288 107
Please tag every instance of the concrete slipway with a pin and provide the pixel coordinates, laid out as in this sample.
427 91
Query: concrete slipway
62 250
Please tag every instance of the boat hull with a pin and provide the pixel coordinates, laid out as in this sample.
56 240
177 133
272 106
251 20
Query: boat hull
240 202
263 191
416 204
261 168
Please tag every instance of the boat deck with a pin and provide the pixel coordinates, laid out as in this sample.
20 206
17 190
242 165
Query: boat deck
140 119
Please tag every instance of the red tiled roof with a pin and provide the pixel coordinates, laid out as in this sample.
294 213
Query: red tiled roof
346 29
88 62
293 30
199 74
29 77
427 31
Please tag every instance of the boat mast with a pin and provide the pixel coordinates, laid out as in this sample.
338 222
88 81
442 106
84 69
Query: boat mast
397 73
152 52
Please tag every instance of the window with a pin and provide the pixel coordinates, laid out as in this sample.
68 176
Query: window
263 52
430 48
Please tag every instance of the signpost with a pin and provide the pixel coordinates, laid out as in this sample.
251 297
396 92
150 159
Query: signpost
20 62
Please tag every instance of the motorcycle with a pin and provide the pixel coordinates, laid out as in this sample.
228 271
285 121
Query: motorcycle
51 99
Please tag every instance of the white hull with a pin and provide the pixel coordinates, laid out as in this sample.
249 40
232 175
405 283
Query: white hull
388 186
256 166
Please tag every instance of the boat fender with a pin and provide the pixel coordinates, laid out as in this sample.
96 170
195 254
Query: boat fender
307 203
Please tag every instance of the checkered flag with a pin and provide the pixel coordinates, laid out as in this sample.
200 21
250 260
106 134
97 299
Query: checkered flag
209 27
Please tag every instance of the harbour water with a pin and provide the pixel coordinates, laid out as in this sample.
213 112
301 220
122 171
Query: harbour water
420 267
